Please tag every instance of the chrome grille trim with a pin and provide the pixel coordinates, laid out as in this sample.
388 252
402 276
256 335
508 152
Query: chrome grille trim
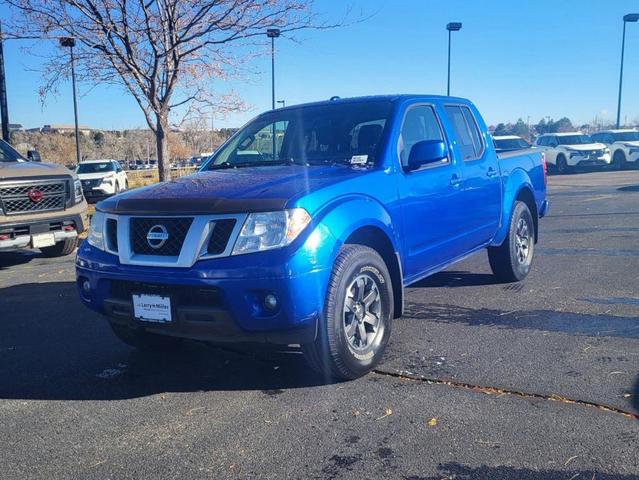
194 247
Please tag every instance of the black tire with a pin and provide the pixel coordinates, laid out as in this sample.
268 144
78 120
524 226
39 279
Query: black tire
142 340
506 260
126 184
334 354
61 249
619 160
562 165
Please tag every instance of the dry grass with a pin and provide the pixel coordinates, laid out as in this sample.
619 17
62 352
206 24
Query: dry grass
141 178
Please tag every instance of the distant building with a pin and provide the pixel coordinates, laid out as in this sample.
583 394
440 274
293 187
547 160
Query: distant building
14 127
61 128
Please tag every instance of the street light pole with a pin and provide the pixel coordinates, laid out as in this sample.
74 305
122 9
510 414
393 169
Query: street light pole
631 17
273 33
4 109
451 27
70 42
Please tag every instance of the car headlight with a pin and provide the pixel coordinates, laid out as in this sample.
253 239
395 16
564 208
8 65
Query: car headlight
266 231
77 189
96 231
108 180
606 151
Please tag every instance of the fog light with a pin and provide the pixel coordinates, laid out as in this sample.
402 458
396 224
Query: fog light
270 301
86 286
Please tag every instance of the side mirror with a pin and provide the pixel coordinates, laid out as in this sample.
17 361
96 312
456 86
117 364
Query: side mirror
34 156
425 152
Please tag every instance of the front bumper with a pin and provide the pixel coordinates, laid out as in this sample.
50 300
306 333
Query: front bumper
587 161
21 228
219 300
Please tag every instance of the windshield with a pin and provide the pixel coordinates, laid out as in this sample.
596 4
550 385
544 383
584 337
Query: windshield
8 154
95 167
574 140
506 144
626 136
342 132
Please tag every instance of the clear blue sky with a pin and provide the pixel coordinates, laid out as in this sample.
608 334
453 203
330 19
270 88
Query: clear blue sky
513 59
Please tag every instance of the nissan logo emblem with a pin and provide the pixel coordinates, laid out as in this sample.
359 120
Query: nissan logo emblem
157 236
35 195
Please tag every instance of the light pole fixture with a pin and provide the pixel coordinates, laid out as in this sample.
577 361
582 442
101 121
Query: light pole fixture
451 27
282 102
631 17
70 43
273 33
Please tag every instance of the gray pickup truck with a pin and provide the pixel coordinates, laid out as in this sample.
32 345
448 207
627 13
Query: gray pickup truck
41 205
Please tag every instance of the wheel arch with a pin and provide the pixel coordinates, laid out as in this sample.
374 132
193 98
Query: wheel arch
375 238
518 188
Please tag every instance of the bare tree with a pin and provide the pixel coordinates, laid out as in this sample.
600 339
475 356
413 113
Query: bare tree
164 52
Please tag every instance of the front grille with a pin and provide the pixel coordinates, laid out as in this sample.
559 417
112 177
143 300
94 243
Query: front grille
181 295
19 198
220 236
94 182
177 228
111 233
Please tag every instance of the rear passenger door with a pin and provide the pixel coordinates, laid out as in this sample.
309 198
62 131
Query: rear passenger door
481 186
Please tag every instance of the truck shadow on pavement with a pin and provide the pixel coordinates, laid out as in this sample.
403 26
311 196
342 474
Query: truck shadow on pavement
53 348
463 472
13 259
454 278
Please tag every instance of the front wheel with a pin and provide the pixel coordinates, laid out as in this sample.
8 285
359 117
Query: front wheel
619 160
60 249
356 324
562 165
511 261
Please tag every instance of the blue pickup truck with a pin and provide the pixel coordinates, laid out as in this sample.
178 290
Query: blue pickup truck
305 226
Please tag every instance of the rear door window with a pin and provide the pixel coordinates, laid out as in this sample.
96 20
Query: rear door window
469 140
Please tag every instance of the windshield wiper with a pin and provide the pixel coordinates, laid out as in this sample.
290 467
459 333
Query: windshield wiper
271 163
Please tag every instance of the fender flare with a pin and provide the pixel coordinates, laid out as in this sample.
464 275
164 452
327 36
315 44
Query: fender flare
518 180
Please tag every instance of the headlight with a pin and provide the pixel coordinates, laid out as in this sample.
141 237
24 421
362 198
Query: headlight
606 151
108 180
266 231
96 231
77 188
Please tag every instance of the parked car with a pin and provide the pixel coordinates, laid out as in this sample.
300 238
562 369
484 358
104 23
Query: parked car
312 244
102 178
623 145
564 151
509 143
41 205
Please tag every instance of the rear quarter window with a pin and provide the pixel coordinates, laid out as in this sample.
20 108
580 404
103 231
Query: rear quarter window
469 141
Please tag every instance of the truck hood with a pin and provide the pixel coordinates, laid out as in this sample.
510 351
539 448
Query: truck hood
586 147
24 170
257 189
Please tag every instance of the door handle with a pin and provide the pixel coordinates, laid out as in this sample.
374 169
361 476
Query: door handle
455 180
491 172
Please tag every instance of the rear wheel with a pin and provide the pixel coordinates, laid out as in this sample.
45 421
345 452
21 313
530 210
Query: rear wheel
143 340
61 249
511 261
356 323
562 165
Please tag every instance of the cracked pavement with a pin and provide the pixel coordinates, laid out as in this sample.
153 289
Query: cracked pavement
537 380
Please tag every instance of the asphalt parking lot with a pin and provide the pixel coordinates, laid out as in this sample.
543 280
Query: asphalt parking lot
538 380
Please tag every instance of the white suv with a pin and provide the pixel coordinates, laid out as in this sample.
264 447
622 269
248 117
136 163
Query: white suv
567 150
101 178
623 144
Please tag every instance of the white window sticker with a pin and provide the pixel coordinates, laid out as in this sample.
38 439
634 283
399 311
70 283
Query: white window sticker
359 159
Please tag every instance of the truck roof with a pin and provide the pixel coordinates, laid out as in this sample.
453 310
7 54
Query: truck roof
618 130
376 98
562 134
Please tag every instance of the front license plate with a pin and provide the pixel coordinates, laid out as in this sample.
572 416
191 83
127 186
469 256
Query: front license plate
43 240
152 308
